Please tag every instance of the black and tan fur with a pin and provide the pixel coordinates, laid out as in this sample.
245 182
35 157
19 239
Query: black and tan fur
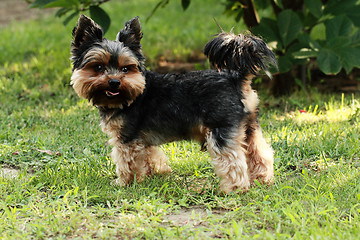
141 109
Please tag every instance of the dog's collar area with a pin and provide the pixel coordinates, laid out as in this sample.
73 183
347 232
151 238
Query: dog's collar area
109 109
106 109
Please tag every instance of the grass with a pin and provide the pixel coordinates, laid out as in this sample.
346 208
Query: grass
63 187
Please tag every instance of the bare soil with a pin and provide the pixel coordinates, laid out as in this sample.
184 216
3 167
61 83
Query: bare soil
8 172
195 217
15 10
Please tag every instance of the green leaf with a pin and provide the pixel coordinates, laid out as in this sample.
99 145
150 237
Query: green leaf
354 15
289 25
318 32
285 63
297 46
262 4
338 26
61 3
268 30
315 7
62 11
185 4
100 17
279 3
338 43
304 53
41 3
337 7
350 8
355 38
304 38
348 53
329 62
349 58
314 45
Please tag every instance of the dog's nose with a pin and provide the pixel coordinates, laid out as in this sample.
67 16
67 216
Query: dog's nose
114 83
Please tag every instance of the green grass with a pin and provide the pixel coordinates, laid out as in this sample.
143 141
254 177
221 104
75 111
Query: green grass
63 189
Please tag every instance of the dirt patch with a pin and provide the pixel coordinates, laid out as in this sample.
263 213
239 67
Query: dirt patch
9 172
187 216
15 10
194 217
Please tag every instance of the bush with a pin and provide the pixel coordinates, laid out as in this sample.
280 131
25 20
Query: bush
326 30
72 8
300 31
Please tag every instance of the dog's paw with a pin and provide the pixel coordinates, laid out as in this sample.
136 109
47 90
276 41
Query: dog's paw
226 190
163 169
118 182
228 185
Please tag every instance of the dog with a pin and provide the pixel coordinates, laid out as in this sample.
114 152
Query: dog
142 109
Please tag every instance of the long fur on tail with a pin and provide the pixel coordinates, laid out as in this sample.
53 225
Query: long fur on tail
245 54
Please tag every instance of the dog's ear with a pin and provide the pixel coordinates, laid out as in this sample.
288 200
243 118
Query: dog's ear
131 34
86 31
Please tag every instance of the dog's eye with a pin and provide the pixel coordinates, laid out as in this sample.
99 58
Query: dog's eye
125 69
99 68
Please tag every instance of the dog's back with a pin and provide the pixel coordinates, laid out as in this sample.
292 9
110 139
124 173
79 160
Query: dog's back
177 106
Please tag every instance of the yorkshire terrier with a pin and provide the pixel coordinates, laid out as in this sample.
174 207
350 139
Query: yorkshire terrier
141 109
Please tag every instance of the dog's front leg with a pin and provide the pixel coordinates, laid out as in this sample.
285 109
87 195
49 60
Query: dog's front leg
131 163
122 162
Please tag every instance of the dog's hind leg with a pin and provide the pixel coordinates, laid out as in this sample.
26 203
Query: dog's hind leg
260 158
230 163
259 154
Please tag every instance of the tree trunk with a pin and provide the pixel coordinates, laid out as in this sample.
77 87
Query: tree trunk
250 17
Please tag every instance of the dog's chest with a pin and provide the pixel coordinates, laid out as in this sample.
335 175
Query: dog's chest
112 127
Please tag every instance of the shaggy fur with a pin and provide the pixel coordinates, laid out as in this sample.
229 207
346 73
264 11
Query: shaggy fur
141 110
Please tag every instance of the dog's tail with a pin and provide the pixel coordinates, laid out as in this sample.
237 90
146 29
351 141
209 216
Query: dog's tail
245 54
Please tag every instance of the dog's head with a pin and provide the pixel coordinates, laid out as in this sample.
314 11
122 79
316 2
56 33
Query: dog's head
107 73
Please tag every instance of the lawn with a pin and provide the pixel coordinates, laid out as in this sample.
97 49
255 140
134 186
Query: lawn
62 189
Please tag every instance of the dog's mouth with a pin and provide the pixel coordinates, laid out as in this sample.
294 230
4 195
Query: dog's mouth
111 94
114 98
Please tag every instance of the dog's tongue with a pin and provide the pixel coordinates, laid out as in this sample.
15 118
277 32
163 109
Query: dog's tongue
111 93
